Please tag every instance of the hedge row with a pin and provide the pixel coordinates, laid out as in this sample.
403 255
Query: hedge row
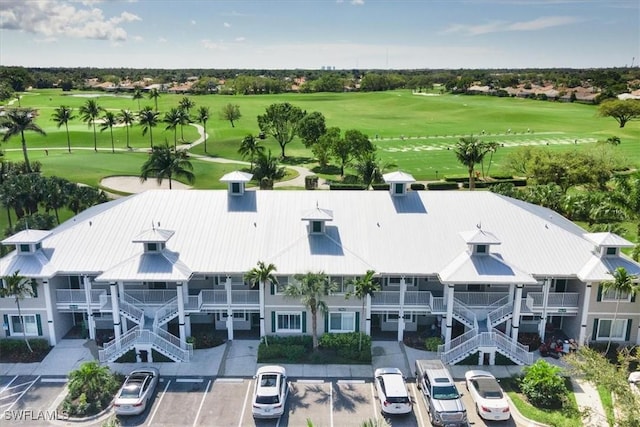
517 182
442 186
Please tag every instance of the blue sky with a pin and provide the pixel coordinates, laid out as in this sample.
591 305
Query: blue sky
310 34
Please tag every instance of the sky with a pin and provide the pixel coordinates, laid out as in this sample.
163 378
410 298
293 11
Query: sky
312 34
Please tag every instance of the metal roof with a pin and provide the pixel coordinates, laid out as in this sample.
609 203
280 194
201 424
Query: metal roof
608 239
418 234
153 235
398 176
26 236
163 266
473 268
236 176
317 214
479 237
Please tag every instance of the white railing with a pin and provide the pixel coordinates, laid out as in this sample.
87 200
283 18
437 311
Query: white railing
120 345
500 314
166 312
152 296
462 350
245 297
193 302
438 305
462 311
133 311
457 340
78 296
479 299
420 298
511 347
499 303
561 299
386 298
212 297
175 341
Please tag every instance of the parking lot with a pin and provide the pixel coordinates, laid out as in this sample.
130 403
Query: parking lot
207 401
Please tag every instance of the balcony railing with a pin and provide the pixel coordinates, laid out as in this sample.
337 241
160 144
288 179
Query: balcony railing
211 297
411 298
78 297
245 297
555 300
479 299
152 296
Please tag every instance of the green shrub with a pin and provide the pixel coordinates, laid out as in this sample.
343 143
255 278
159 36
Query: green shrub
543 386
431 344
442 185
462 178
335 186
381 186
417 186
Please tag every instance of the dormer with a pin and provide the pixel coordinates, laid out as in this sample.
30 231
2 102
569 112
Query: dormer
27 241
480 241
607 244
317 218
154 240
236 182
398 182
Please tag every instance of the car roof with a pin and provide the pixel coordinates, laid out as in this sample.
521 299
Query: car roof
144 371
487 386
274 369
478 373
634 376
387 371
394 385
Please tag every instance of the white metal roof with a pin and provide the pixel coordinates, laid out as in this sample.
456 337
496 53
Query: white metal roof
35 265
483 268
398 176
608 239
162 266
599 268
26 236
317 214
418 234
480 237
153 235
236 176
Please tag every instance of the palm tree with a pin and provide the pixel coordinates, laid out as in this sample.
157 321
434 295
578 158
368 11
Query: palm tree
90 112
167 163
154 94
369 168
626 195
148 120
172 119
109 120
186 104
202 117
137 95
127 118
263 275
311 288
267 170
250 147
184 119
16 122
19 287
55 195
491 148
362 287
91 379
622 284
61 116
470 151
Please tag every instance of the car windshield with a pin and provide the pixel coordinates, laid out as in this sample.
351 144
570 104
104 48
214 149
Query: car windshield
397 399
445 393
131 390
268 380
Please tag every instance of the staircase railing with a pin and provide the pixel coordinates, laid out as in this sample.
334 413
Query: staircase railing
464 312
496 316
461 350
136 314
164 346
119 345
499 303
166 312
457 341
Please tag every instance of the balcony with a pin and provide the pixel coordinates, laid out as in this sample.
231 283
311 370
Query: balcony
76 299
563 302
151 296
479 299
412 299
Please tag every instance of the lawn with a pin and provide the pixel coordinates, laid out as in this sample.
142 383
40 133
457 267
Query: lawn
414 132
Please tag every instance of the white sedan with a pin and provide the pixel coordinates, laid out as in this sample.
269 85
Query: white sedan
490 401
136 392
270 392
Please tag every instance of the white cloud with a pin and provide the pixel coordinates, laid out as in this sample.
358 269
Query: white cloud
138 39
357 2
240 39
504 26
211 45
53 19
162 40
193 22
227 25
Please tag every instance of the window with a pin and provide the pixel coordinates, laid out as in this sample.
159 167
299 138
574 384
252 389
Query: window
237 315
316 226
610 329
342 284
481 249
342 322
38 246
398 188
390 318
615 295
30 325
235 188
611 251
288 322
395 281
24 248
152 247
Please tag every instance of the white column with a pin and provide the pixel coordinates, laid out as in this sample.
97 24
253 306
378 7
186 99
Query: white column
261 286
187 316
367 315
449 318
546 287
121 290
517 303
181 327
512 290
582 339
115 309
47 299
227 287
403 289
91 324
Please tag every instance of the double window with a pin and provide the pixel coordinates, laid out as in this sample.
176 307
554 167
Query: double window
342 322
30 325
612 329
615 295
288 322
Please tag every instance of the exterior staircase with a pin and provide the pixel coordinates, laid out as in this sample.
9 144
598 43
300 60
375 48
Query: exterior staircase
483 336
148 332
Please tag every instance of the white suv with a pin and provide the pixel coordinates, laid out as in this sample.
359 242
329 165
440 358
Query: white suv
392 391
270 392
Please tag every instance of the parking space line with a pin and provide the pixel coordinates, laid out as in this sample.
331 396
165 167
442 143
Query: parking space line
204 395
189 380
310 381
9 384
373 402
244 405
331 403
58 399
415 391
158 405
23 393
229 380
53 380
350 381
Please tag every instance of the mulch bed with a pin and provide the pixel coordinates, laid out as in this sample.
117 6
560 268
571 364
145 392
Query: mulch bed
24 356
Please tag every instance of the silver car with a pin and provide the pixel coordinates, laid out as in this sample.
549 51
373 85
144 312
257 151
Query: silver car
136 392
270 392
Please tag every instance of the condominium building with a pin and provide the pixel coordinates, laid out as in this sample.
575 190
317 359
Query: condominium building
479 268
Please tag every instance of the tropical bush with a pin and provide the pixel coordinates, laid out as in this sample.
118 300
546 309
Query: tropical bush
432 343
91 389
543 385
